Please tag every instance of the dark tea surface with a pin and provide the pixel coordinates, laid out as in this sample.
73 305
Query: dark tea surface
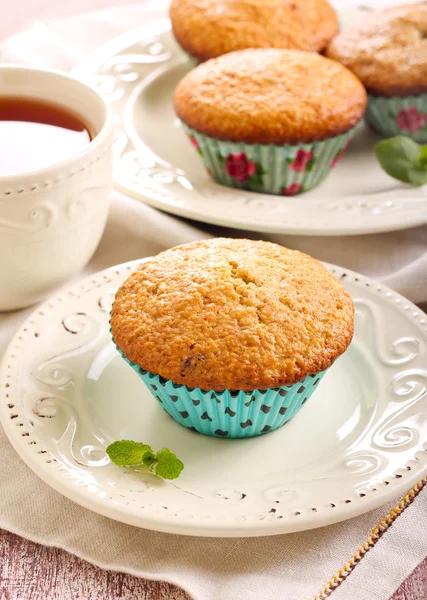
35 134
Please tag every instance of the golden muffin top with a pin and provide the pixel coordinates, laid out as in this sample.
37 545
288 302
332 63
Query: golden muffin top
209 28
232 314
270 97
387 50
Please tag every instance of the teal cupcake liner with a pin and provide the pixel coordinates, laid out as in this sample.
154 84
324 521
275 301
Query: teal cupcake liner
398 116
228 414
285 170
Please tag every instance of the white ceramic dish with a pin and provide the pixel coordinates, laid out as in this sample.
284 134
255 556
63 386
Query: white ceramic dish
65 393
154 162
52 219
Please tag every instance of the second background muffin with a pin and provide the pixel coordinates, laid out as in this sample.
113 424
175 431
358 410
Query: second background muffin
274 121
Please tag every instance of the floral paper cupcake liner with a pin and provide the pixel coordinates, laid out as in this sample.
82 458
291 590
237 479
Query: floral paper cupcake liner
285 170
398 116
228 414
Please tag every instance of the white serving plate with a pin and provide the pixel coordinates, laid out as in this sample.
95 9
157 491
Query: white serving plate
361 440
155 163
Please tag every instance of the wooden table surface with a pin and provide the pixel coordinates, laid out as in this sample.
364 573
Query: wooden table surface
32 572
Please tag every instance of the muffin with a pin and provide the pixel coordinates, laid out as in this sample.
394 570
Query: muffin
208 28
231 336
273 121
388 52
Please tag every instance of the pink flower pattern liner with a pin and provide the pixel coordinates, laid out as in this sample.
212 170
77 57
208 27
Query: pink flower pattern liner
283 170
390 117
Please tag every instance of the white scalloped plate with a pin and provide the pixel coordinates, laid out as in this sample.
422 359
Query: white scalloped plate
65 393
155 163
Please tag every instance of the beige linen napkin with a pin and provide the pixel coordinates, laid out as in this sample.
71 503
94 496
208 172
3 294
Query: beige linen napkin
291 567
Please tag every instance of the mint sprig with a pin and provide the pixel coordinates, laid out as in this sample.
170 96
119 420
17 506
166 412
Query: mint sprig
127 453
404 159
168 466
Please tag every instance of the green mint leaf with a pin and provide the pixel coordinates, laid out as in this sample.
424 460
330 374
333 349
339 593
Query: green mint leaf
168 464
423 156
418 176
126 453
149 459
400 157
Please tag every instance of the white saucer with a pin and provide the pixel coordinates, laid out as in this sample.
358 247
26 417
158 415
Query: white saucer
155 162
361 440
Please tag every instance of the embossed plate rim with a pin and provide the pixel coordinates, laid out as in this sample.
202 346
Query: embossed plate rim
30 448
190 197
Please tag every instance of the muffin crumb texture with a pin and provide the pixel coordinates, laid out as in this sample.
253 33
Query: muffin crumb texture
270 97
232 314
387 50
210 28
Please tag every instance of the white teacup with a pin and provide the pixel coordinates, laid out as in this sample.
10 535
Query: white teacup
51 220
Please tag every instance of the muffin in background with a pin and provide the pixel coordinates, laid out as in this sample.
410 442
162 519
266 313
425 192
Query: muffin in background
387 50
270 120
231 336
209 28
